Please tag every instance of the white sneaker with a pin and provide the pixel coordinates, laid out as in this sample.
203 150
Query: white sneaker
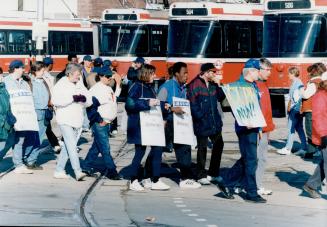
114 132
159 185
135 186
23 170
204 181
263 191
284 151
61 175
79 175
189 183
57 149
147 183
300 152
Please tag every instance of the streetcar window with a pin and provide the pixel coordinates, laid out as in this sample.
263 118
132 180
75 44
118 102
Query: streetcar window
61 42
295 35
121 40
3 43
194 39
19 42
158 46
237 39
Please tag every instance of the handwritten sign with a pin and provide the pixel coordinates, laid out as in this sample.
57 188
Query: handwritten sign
152 127
22 107
244 104
183 124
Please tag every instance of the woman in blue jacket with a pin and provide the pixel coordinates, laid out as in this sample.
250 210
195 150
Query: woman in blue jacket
141 97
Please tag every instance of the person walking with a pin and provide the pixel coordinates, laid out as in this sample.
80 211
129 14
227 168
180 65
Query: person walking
70 97
315 71
101 114
141 97
243 172
204 93
265 104
295 117
176 87
50 80
319 138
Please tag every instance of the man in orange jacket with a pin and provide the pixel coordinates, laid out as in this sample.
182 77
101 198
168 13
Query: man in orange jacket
265 103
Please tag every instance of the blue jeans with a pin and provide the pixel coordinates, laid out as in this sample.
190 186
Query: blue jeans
69 149
154 156
100 145
243 172
295 123
6 145
24 142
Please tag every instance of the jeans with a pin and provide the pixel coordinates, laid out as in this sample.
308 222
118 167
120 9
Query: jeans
51 136
217 150
154 156
242 173
308 131
100 145
262 152
69 149
24 142
6 145
295 123
320 172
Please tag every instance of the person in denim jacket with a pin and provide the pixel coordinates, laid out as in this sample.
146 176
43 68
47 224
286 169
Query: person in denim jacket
295 117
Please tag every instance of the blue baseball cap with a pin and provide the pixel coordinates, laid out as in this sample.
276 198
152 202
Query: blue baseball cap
107 62
98 61
15 64
139 60
106 71
87 58
252 63
47 60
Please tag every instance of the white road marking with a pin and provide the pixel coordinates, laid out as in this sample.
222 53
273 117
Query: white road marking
178 201
193 215
201 219
180 205
186 210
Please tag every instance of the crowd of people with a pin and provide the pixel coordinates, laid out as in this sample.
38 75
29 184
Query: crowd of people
84 96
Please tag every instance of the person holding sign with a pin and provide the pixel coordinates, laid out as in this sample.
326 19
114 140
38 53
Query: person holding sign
69 98
175 88
243 172
141 98
26 126
204 94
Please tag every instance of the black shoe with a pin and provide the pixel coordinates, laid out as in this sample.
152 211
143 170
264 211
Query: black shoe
225 191
312 193
255 199
89 172
308 156
34 167
115 176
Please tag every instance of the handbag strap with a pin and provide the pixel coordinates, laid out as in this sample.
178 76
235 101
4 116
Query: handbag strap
47 86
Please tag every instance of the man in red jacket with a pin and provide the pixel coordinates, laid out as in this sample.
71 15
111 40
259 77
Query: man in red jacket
265 103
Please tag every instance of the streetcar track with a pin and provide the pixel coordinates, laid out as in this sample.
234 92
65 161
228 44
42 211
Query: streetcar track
91 188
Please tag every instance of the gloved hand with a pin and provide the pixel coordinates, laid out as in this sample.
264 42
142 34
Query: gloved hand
79 98
324 141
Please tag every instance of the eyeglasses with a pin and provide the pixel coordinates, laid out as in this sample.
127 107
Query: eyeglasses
108 76
266 69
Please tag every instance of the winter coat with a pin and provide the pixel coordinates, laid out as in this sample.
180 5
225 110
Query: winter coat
7 120
319 116
137 101
265 104
203 100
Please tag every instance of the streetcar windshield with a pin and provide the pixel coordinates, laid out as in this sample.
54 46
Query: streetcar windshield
212 39
294 35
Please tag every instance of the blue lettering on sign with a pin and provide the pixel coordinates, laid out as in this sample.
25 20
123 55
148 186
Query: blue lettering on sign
181 103
246 112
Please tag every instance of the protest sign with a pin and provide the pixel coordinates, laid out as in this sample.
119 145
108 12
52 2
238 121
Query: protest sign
183 124
152 127
244 104
22 107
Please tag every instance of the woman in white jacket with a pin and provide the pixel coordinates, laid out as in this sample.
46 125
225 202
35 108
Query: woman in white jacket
69 98
101 114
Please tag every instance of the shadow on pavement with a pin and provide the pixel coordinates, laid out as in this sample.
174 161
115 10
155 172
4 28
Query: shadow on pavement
5 164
